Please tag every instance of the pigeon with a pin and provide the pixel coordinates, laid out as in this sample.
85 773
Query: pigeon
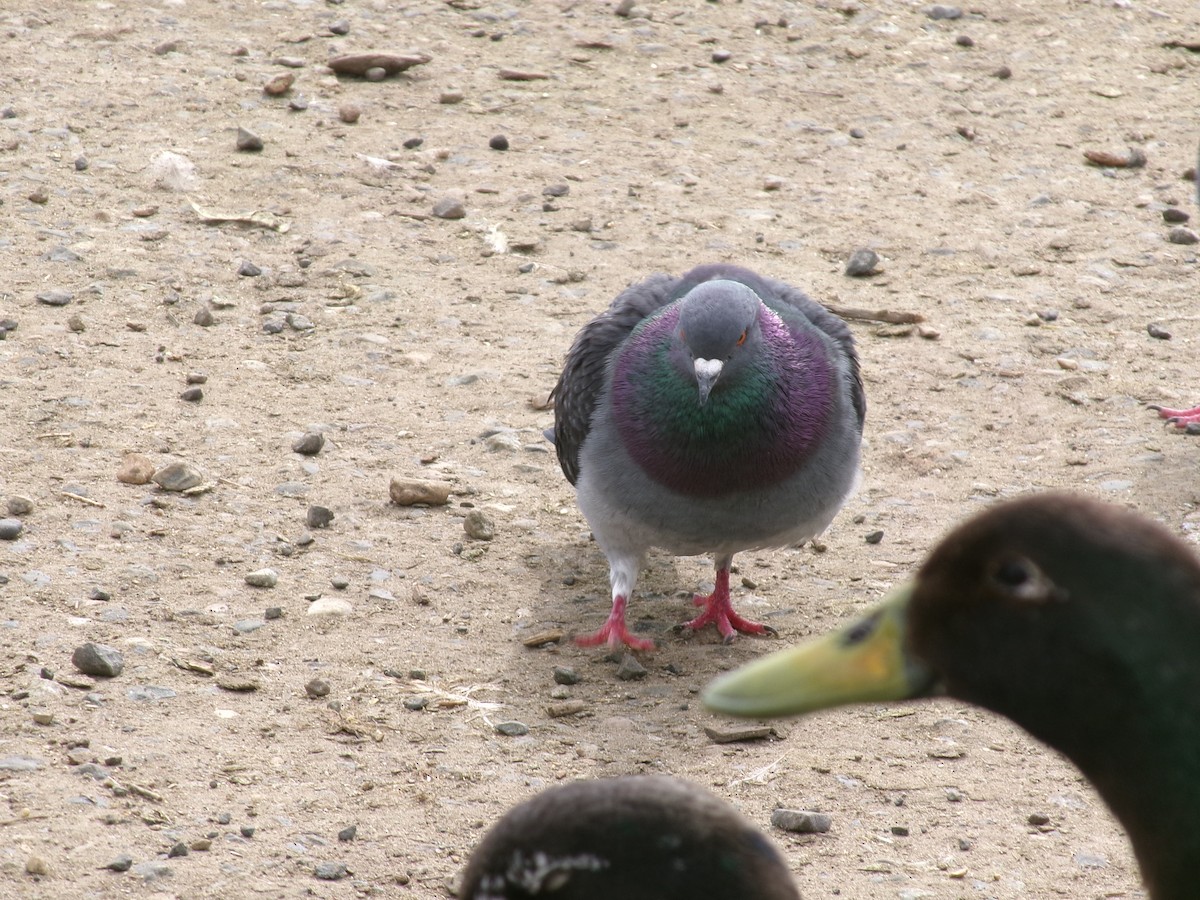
1078 620
711 413
648 837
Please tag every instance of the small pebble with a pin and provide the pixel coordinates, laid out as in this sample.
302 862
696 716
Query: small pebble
1048 315
348 833
721 56
500 142
75 323
279 85
177 477
55 298
248 269
10 529
340 582
449 208
565 675
43 717
556 190
192 394
857 133
239 684
1038 819
900 830
330 606
937 11
35 865
406 492
19 506
81 164
317 688
180 849
224 818
349 113
271 613
341 26
318 517
248 141
262 578
413 143
1174 216
309 443
375 73
98 660
203 317
801 821
630 669
135 469
415 704
121 863
874 537
152 870
965 40
39 196
479 526
862 262
512 729
200 844
331 871
450 97
196 378
1181 235
1003 73
247 831
1157 331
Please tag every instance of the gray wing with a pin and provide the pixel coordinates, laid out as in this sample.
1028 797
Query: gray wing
777 293
584 373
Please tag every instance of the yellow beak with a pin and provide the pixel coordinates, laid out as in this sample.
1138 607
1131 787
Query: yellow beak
863 662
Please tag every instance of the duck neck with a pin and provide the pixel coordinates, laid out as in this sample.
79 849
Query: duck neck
1150 777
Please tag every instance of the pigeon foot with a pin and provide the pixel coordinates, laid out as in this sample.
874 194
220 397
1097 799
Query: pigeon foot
1180 418
719 611
613 632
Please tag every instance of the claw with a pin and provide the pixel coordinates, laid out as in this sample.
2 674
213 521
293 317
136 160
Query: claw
719 611
613 632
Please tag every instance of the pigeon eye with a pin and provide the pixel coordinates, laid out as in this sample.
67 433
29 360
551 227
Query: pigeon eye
742 339
1020 579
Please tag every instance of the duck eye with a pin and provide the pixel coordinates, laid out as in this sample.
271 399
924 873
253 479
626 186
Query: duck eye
742 339
1020 579
1013 573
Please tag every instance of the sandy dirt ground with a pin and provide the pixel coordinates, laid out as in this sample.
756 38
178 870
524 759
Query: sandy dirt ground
245 733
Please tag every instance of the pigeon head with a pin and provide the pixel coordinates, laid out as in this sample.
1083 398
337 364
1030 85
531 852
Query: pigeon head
717 332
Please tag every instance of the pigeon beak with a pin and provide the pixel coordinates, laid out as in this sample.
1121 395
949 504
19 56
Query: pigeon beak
707 372
867 661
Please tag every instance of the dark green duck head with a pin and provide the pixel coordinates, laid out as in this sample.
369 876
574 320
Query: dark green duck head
1079 621
631 838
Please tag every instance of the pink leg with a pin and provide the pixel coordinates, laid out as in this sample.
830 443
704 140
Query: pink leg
719 611
1180 418
613 632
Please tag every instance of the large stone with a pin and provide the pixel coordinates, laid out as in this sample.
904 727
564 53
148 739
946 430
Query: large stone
409 492
98 660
